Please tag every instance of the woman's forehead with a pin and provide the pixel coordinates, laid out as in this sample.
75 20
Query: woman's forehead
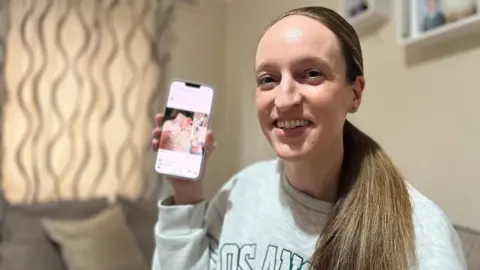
296 37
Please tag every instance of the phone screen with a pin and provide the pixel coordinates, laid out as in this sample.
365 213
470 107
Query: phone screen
185 125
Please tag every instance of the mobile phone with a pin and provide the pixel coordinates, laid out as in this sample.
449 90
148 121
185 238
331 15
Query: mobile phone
186 119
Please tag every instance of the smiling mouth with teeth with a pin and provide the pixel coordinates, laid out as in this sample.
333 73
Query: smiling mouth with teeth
291 124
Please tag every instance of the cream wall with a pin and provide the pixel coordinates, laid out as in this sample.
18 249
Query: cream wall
424 113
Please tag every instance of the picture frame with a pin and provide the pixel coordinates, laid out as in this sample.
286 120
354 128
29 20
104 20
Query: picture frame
189 2
425 23
365 15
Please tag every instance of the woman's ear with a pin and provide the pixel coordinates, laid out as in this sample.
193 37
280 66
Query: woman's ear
357 88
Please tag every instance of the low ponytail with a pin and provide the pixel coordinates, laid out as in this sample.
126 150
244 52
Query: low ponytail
371 225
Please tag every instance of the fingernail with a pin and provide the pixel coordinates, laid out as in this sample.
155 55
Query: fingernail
215 144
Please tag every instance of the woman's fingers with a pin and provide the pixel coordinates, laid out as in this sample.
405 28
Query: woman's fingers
210 143
157 131
159 120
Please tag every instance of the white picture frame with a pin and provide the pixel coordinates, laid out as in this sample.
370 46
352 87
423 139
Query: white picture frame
423 23
365 15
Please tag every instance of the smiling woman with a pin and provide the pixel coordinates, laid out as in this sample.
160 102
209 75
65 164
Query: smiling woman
332 200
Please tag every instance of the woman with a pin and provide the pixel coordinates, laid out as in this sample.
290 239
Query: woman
333 199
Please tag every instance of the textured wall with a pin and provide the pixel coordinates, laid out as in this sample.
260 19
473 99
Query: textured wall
84 79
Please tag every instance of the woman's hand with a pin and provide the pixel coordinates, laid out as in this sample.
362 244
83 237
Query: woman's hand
184 191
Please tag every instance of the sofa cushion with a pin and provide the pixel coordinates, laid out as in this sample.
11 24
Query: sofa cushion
141 215
471 246
101 242
24 241
24 244
2 211
66 209
22 255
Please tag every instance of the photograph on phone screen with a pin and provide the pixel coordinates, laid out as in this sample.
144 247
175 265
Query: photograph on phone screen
186 131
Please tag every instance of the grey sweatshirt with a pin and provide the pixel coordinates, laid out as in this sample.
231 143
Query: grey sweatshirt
258 221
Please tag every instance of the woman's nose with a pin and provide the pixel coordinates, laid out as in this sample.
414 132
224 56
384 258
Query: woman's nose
287 95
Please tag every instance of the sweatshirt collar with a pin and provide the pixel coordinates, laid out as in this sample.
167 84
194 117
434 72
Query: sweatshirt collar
300 197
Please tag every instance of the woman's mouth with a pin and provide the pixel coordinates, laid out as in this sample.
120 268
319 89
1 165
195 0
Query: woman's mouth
291 128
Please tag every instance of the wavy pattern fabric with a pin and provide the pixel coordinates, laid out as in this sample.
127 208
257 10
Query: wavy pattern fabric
4 26
84 80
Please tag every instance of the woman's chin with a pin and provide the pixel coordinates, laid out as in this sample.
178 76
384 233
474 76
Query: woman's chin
286 153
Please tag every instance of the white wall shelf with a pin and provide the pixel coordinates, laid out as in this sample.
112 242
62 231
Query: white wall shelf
412 36
376 14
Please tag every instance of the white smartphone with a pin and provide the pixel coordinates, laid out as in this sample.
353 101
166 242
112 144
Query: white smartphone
185 124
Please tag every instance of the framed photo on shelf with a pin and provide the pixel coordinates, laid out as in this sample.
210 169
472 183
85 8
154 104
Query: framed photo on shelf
354 8
365 14
422 19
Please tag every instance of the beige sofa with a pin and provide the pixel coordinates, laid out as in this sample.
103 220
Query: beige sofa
471 246
71 235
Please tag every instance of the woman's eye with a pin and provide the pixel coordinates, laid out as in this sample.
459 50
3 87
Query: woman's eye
265 80
313 74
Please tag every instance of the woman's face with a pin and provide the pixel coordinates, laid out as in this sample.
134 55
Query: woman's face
302 95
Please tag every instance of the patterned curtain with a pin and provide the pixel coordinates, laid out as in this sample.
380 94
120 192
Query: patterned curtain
4 26
84 79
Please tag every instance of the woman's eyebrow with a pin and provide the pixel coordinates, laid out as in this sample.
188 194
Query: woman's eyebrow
266 65
312 60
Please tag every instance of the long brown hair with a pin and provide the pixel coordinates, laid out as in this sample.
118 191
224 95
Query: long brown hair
371 226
